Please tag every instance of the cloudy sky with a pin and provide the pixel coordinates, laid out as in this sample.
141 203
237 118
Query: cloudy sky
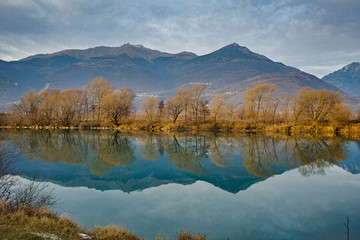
317 36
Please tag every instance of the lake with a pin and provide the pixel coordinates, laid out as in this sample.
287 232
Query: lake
228 186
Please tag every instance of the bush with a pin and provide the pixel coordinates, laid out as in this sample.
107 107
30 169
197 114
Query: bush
190 236
112 232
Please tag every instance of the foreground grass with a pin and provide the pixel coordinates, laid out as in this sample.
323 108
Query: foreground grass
30 223
26 222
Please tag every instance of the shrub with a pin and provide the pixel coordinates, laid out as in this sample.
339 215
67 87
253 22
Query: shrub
112 232
190 236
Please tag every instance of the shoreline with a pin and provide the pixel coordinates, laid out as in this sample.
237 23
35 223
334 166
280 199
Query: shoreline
351 131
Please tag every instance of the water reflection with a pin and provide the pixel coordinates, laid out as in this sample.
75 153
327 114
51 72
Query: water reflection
283 205
263 155
188 153
229 161
115 149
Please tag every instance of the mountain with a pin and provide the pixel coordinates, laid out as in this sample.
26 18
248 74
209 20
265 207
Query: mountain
9 89
346 79
133 51
290 83
231 69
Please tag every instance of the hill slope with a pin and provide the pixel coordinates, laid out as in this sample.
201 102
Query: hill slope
346 79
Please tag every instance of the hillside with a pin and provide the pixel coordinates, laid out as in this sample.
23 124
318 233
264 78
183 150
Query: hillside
346 79
231 69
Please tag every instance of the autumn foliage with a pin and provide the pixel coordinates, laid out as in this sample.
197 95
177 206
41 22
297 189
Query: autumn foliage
100 105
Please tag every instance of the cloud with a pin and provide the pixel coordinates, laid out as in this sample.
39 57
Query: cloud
300 33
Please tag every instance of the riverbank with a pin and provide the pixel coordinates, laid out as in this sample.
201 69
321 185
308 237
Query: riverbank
349 131
28 222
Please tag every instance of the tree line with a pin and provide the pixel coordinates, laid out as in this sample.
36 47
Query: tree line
99 104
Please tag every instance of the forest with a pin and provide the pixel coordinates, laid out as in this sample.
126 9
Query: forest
99 105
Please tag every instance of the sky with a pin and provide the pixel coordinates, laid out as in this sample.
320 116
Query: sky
316 36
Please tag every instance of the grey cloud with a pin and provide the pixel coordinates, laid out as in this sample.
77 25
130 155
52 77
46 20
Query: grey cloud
301 33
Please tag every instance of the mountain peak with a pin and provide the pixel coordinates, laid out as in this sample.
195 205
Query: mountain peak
235 51
139 51
129 45
352 67
346 79
134 45
234 44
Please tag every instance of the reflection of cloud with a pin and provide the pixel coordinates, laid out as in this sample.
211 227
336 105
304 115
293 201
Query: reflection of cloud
286 206
300 33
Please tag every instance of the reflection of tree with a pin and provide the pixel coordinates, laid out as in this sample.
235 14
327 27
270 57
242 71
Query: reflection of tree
148 151
264 154
317 167
160 144
187 153
316 154
259 154
117 150
220 150
100 152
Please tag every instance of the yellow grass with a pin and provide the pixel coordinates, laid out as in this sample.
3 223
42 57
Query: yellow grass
30 223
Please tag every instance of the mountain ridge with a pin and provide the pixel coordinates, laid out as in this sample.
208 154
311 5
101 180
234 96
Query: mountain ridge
346 78
132 51
232 68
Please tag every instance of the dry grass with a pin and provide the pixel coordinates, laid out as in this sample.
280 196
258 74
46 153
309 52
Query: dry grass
190 236
28 223
27 220
112 232
348 129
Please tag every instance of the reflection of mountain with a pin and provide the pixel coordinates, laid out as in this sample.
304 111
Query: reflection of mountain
351 164
106 160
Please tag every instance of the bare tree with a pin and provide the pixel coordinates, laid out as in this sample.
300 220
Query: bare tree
149 107
160 110
268 104
176 104
285 108
68 103
48 105
217 105
29 107
97 90
315 106
118 105
230 111
197 92
204 109
254 100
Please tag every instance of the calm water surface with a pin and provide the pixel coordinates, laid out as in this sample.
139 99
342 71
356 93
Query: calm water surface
227 186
